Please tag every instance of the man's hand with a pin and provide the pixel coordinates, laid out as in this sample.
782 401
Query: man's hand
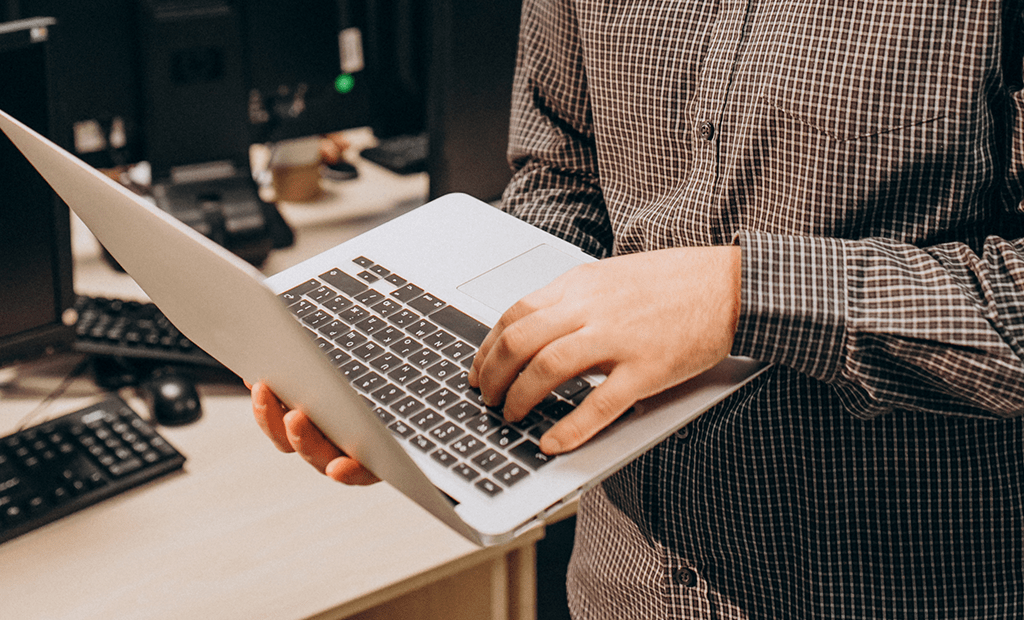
648 321
292 431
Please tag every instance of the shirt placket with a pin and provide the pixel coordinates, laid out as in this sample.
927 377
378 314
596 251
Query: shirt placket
706 115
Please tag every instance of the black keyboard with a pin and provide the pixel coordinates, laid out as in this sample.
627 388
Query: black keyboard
130 329
401 154
408 354
61 466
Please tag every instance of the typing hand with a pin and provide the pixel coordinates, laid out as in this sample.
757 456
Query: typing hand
648 321
292 431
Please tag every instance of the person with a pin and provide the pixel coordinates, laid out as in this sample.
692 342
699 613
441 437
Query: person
832 187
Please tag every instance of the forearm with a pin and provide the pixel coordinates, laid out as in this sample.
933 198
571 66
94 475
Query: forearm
889 325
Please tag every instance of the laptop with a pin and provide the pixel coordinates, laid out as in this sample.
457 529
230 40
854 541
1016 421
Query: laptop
372 339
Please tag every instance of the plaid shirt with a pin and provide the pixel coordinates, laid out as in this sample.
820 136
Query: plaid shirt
868 158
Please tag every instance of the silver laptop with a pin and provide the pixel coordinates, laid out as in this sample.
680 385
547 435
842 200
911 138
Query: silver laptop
372 339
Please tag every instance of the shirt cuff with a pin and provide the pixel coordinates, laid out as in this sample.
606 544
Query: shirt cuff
793 303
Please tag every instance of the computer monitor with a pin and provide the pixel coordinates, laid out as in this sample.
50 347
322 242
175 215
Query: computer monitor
306 67
295 80
441 72
98 117
35 246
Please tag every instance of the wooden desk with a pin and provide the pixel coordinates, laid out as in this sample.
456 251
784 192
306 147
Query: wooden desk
244 531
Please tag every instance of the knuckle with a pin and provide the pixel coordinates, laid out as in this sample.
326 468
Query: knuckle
550 361
513 341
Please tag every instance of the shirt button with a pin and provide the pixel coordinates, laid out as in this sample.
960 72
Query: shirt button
683 433
707 130
686 577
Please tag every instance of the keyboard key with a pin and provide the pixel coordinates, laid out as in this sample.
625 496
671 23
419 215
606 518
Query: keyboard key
405 346
443 370
388 394
462 324
423 386
466 471
407 293
362 261
404 318
386 363
407 406
368 297
462 411
489 487
401 429
571 387
504 436
467 446
368 276
511 474
386 308
343 282
530 455
322 294
421 328
404 374
443 457
422 443
488 459
426 303
424 358
338 305
459 349
300 290
439 339
443 398
446 432
354 314
395 279
427 419
350 340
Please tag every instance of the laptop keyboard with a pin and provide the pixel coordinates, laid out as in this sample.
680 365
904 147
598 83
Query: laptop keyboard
408 353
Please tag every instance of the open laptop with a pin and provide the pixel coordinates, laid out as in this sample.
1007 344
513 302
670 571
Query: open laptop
373 337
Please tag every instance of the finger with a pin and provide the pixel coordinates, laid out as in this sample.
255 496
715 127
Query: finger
348 471
514 350
309 442
541 298
600 408
558 362
269 414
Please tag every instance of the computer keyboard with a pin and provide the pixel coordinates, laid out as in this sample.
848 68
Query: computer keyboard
58 467
401 154
408 354
130 329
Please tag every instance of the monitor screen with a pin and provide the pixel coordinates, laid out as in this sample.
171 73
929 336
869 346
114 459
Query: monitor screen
35 245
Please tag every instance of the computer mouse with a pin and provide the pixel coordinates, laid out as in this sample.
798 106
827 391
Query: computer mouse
173 398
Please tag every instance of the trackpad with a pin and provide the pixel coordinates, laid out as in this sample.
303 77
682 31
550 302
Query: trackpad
509 282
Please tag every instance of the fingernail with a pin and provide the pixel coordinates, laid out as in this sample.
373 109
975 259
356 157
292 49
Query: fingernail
550 445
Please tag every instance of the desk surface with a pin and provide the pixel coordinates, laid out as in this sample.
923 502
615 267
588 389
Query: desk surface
243 531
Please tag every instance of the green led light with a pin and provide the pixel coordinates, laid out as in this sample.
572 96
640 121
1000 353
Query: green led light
344 83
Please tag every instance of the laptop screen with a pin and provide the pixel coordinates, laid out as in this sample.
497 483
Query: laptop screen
35 246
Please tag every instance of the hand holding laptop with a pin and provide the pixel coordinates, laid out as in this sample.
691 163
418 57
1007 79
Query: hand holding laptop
648 321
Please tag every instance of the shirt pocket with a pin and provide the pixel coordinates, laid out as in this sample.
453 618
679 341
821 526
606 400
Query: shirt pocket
849 73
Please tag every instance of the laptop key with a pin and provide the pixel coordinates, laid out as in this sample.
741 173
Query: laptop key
488 460
466 472
489 487
530 455
343 282
511 474
462 324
